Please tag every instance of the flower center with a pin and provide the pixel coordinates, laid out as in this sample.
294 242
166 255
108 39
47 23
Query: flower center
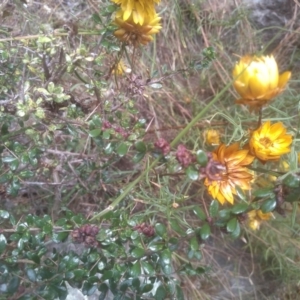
216 171
266 142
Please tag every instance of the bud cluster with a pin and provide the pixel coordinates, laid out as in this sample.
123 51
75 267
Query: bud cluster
86 234
107 125
162 145
146 229
184 156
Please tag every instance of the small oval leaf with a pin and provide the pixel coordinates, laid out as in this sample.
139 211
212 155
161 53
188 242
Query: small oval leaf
199 213
205 232
160 229
95 132
137 252
232 224
214 208
122 149
268 206
239 208
192 173
201 158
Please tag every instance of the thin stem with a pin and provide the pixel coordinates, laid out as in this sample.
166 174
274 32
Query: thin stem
259 117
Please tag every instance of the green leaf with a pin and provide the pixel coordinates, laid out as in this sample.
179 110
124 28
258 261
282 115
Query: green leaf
179 293
106 134
4 214
205 232
293 195
103 287
13 285
292 180
122 149
13 165
101 265
136 283
263 193
214 208
161 293
201 158
166 256
232 224
79 274
225 213
135 270
25 158
167 269
5 177
190 254
124 285
194 245
89 288
26 174
173 243
239 208
241 193
146 288
236 233
9 159
20 244
138 157
192 173
137 252
268 205
13 188
60 236
156 246
107 275
199 213
3 243
109 148
148 268
175 226
95 132
96 121
31 275
140 146
160 229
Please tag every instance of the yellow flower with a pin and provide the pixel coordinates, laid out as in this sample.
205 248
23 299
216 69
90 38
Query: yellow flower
255 218
138 10
136 34
226 170
258 80
212 137
269 142
120 68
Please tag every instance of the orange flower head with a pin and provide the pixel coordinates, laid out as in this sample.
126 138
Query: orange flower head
136 34
212 137
255 218
137 10
269 142
258 80
226 170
